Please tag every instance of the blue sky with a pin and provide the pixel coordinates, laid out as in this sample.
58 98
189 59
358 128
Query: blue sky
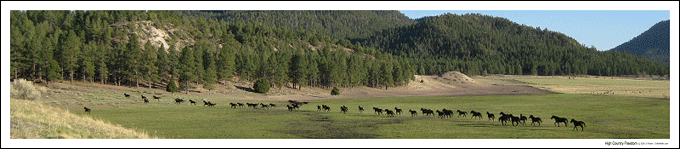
604 29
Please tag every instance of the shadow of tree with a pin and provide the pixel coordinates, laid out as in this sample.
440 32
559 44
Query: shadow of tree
247 89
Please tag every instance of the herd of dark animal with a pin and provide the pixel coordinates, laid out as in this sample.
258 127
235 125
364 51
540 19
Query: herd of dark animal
444 113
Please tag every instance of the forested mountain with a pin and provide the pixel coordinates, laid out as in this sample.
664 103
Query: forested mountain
478 44
116 47
339 24
323 49
653 44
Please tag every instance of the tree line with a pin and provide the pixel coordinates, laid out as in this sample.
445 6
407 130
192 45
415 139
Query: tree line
83 45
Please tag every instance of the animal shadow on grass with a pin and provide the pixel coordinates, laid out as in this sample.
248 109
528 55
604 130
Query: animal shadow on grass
476 125
325 127
247 89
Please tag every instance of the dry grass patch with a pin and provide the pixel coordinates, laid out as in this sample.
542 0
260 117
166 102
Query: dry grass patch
29 119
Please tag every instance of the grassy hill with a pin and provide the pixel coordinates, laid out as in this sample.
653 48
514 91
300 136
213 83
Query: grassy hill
653 44
31 119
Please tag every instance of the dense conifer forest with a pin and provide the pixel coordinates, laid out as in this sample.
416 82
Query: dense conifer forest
653 44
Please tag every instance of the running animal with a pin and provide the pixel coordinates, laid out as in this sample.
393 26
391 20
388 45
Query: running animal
461 113
476 114
559 120
535 120
397 110
87 110
413 113
491 116
578 123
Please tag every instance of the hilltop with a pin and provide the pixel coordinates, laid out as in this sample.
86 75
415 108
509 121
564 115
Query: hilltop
653 44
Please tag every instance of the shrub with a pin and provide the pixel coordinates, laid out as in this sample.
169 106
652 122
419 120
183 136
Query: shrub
261 86
335 91
172 87
22 89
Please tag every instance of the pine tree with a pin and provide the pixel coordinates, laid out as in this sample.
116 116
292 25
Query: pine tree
70 51
54 72
298 70
186 69
171 87
134 62
210 76
225 63
148 64
386 74
86 61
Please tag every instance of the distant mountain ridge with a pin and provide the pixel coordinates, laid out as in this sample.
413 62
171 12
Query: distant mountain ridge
481 44
653 44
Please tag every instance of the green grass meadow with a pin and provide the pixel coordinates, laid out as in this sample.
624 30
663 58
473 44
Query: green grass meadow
606 117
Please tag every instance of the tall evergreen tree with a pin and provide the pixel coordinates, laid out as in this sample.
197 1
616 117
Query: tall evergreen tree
70 51
186 68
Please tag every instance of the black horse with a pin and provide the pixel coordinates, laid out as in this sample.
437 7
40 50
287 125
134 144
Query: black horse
126 95
397 110
490 116
559 120
389 112
535 120
578 123
476 114
413 113
513 120
343 109
378 110
326 108
504 119
178 101
440 114
361 109
461 113
522 118
87 110
447 113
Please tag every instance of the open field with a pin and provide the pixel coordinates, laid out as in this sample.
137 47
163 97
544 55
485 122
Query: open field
616 115
606 117
587 85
